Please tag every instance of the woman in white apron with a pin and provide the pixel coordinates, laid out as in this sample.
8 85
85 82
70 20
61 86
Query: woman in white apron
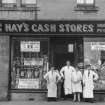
89 77
76 84
52 78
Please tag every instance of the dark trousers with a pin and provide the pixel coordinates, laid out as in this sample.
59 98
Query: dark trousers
62 90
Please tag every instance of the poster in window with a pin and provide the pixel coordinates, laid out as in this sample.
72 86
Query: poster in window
99 46
28 84
30 46
33 61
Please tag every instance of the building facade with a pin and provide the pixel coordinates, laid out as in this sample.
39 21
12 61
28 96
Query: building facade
37 33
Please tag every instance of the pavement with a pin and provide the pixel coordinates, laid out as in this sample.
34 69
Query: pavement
48 103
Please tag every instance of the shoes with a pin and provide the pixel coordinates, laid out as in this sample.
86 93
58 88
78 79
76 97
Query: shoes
91 101
77 100
74 100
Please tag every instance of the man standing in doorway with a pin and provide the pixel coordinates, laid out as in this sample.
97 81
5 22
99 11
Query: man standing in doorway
66 73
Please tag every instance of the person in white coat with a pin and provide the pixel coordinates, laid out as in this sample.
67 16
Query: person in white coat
89 77
76 84
52 78
66 73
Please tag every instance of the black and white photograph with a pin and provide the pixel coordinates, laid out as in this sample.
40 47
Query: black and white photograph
52 52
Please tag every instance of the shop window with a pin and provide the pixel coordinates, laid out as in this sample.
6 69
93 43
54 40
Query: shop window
94 54
29 63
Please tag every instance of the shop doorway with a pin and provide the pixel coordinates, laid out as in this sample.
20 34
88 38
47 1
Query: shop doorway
61 58
67 48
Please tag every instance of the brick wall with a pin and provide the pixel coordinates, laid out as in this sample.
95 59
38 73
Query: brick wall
4 66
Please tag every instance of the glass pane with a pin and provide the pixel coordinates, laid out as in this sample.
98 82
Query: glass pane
89 1
8 1
28 1
85 2
94 54
80 1
29 64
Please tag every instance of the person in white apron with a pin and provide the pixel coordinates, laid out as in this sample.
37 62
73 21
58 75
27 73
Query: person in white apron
52 78
76 84
89 77
66 73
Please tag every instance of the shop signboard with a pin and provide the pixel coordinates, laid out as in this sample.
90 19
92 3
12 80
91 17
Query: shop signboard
28 84
30 46
52 27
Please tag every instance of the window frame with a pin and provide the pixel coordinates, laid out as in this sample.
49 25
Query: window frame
28 5
17 4
86 4
13 40
8 4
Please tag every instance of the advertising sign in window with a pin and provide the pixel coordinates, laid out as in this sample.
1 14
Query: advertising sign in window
98 46
28 83
30 46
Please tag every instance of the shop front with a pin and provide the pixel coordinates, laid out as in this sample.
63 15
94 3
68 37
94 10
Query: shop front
28 48
31 58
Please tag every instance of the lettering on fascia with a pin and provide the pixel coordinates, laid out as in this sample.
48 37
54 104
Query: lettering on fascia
76 28
43 27
101 28
17 27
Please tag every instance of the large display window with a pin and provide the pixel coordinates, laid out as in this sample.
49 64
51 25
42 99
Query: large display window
94 53
29 62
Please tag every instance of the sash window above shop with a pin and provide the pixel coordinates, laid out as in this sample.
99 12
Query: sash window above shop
18 3
8 3
29 3
86 6
86 2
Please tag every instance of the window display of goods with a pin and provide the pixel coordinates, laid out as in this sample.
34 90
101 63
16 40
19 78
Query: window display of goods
99 85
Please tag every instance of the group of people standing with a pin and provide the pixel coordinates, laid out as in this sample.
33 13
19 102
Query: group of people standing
75 82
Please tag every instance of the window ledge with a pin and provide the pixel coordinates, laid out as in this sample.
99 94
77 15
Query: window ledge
19 8
28 90
99 91
86 8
